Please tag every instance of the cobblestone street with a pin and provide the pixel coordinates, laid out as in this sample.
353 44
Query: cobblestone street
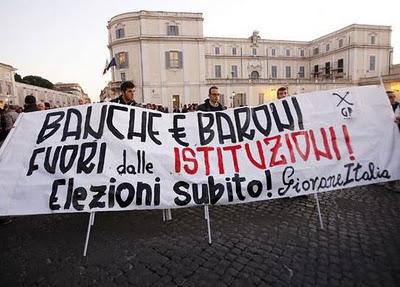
272 243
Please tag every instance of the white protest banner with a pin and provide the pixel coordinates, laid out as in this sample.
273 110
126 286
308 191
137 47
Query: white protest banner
107 156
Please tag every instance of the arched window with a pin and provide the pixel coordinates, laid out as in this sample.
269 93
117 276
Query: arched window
254 75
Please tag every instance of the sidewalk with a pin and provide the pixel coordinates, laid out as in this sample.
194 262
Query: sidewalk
271 243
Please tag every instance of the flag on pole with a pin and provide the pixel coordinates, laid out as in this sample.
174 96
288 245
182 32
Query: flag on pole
111 64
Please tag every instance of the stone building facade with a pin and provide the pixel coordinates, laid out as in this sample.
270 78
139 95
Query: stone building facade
171 62
12 92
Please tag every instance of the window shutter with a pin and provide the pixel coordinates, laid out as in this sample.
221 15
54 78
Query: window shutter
180 60
167 60
126 60
118 64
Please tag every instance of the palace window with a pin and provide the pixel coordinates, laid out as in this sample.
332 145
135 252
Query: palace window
173 60
274 71
218 71
172 30
301 72
120 33
234 71
122 60
288 72
340 65
372 62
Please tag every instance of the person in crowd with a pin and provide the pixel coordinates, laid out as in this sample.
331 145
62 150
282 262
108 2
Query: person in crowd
192 108
211 104
40 106
30 104
7 120
47 106
282 92
10 117
160 108
392 99
393 185
81 101
395 106
127 96
2 125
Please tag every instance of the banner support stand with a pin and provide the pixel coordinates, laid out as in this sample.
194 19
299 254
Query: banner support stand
166 214
91 222
319 211
207 218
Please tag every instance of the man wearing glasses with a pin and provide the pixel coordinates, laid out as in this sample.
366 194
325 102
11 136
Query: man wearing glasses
211 104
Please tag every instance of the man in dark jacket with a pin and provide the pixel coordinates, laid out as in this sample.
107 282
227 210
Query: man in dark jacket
128 94
392 99
211 104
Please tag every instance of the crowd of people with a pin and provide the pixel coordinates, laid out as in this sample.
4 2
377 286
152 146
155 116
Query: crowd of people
127 97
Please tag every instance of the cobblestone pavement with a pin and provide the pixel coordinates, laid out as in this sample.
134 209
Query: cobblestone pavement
272 243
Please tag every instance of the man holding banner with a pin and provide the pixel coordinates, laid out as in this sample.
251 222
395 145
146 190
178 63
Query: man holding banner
211 104
282 92
128 94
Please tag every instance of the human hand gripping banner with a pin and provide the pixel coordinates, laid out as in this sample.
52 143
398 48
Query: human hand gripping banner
106 156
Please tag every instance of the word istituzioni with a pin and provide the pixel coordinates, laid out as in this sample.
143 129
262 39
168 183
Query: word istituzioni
279 150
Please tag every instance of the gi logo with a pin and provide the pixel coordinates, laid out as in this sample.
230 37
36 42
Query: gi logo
344 105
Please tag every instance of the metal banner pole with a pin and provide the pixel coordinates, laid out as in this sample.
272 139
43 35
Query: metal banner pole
91 222
319 211
163 215
169 214
207 217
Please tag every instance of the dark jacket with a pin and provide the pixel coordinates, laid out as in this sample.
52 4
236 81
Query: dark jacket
207 107
120 100
395 105
30 108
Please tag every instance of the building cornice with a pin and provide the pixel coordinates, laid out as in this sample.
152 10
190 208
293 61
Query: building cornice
353 46
155 39
7 66
251 57
162 15
261 41
351 28
296 58
273 81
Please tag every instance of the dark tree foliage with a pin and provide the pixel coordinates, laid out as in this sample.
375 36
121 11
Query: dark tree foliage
38 81
18 78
